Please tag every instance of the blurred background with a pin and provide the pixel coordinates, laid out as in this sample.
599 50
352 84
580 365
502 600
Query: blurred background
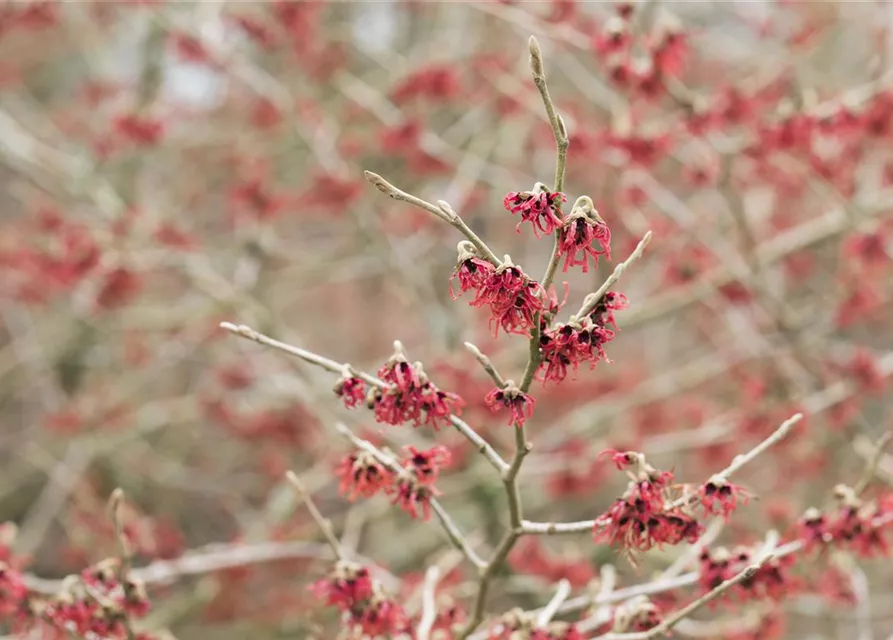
168 166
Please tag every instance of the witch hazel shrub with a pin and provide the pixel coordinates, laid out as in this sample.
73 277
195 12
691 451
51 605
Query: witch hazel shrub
658 510
615 453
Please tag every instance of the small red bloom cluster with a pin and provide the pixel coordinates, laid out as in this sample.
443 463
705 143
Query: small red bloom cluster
362 601
665 50
96 603
407 395
513 297
720 497
862 526
519 404
568 344
771 581
540 207
411 396
644 517
363 474
582 229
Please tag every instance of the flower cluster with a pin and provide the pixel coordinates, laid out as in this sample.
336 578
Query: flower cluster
410 396
580 232
519 404
362 473
862 526
514 298
568 345
644 517
539 206
365 608
663 53
519 625
97 603
772 580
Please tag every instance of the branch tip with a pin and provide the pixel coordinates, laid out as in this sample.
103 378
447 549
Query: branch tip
536 58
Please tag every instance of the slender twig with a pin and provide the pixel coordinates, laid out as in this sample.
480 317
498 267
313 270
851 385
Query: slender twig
548 528
338 367
486 364
873 462
548 612
558 128
672 621
741 460
429 603
452 531
590 302
442 210
214 558
323 523
125 555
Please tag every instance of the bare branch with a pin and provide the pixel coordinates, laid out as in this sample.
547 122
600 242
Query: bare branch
323 523
442 210
672 621
429 603
486 364
590 302
559 131
338 367
545 616
873 462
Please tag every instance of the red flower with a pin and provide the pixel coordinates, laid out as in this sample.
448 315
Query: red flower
12 590
362 475
516 401
351 390
863 369
347 585
411 397
579 231
613 38
402 138
869 249
426 465
857 525
253 197
622 459
413 497
140 130
567 345
772 581
719 497
432 82
603 313
514 299
380 617
669 51
120 286
471 271
640 519
540 207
